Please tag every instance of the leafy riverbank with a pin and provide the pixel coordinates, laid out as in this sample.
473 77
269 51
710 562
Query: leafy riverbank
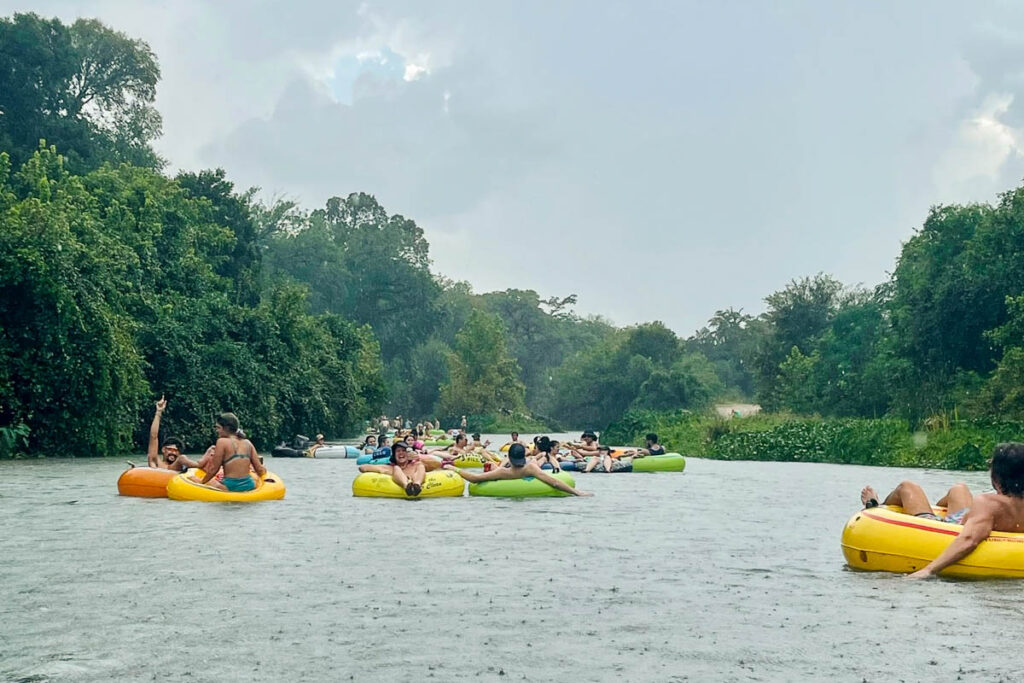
501 423
943 444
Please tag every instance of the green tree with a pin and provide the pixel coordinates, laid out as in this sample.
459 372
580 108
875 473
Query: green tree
84 87
729 341
482 377
796 316
69 369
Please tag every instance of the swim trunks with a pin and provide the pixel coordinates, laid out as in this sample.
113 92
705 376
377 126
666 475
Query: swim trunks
239 483
955 518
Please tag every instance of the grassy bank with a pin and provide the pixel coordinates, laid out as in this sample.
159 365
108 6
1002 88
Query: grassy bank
960 445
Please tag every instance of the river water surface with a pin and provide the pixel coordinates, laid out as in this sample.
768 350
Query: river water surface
731 571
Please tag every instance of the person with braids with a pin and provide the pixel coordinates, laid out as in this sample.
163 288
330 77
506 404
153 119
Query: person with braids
980 515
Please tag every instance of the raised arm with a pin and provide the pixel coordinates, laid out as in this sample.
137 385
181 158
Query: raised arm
153 452
978 525
557 483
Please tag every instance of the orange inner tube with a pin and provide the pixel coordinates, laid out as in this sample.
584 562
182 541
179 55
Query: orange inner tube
144 482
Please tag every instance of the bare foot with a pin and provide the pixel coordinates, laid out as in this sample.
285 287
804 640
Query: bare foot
868 495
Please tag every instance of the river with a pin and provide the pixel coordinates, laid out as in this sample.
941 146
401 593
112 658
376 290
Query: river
731 571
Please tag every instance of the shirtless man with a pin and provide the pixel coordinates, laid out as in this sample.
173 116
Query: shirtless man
168 456
980 515
518 468
587 449
653 448
514 439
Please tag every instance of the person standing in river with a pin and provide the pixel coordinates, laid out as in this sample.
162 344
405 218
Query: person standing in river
980 515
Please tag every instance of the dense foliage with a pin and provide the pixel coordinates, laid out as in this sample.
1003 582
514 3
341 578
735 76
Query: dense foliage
85 88
119 283
960 444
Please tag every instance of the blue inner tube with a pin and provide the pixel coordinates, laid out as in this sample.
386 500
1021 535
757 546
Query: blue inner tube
368 459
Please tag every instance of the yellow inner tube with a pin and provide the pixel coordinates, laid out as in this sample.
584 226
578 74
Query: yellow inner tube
887 540
268 487
437 484
470 460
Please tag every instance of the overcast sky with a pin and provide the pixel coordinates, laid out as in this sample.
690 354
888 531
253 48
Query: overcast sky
663 160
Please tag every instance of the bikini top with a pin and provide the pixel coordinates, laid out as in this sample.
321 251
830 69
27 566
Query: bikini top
236 456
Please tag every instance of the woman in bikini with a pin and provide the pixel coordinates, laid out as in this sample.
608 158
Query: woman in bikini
236 455
547 452
405 469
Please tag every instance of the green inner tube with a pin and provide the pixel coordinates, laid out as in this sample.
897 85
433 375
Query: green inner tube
520 488
436 432
670 462
438 442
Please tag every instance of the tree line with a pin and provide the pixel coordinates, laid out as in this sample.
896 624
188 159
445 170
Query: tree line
119 283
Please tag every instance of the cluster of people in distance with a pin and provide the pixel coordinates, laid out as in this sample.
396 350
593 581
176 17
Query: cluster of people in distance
409 469
227 464
980 515
409 460
385 424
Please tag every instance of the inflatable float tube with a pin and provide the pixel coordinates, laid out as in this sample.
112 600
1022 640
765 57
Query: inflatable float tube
884 539
325 452
566 466
599 469
268 487
470 460
669 462
368 459
145 482
520 488
287 452
436 432
438 442
437 484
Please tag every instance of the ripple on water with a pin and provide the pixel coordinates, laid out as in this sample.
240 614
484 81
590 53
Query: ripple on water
730 571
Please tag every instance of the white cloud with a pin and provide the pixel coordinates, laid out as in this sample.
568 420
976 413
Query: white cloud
978 155
413 72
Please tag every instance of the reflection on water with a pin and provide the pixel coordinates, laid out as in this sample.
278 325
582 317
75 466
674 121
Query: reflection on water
730 571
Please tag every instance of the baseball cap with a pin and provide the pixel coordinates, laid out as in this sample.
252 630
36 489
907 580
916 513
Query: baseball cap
517 454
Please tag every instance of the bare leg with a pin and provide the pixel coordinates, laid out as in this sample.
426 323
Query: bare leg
398 475
591 464
958 498
419 473
910 497
608 463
